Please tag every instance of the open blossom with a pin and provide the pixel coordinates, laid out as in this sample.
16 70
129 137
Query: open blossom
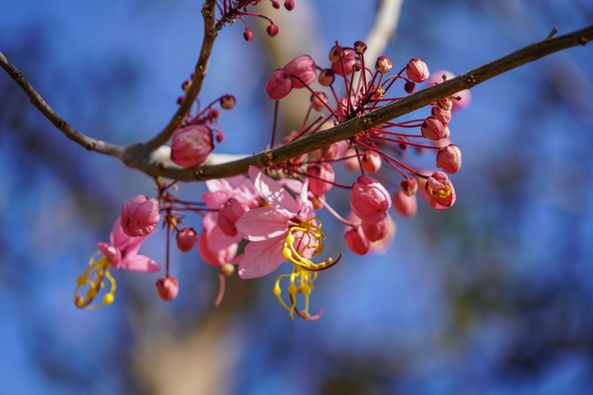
440 193
228 215
462 98
140 216
190 146
285 229
211 235
121 252
369 200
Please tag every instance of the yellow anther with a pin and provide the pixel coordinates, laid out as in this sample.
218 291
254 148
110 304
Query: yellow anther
108 299
93 279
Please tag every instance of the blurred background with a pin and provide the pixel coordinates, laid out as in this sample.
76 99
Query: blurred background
494 296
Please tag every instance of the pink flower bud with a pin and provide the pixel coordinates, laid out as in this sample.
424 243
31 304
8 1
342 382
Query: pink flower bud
229 214
377 231
409 186
371 162
275 4
440 193
446 103
357 241
191 145
279 85
360 47
369 200
417 70
167 288
318 101
320 176
326 77
248 34
140 216
186 239
383 64
301 70
442 115
272 30
289 4
345 63
433 129
227 102
405 205
449 159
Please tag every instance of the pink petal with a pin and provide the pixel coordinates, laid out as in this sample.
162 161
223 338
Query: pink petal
218 240
261 258
262 223
140 263
216 199
272 192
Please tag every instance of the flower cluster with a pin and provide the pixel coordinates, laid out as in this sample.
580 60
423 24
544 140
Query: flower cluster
271 216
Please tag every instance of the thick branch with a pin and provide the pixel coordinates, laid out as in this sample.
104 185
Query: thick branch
372 119
210 33
70 132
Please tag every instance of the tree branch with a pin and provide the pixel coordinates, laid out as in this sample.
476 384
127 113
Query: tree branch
384 27
70 132
156 167
210 33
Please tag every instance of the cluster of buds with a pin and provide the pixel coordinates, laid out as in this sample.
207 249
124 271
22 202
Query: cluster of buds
259 222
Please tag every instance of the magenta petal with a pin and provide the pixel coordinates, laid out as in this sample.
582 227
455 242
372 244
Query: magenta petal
140 263
261 224
272 192
261 258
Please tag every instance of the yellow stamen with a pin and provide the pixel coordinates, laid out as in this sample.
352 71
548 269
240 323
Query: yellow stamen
94 279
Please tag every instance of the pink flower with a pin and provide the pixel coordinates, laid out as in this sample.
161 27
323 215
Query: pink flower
449 159
440 193
369 200
191 145
225 247
122 251
464 96
417 70
267 227
140 216
228 215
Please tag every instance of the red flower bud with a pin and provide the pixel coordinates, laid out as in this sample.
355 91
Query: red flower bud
442 115
433 129
227 102
318 101
186 239
272 30
140 216
167 288
449 159
301 70
369 200
410 87
345 62
326 77
248 34
371 162
383 64
377 231
409 186
360 47
289 4
279 85
321 175
191 145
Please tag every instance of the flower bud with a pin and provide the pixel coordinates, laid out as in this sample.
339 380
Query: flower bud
272 30
449 159
383 64
405 205
326 77
320 176
345 63
357 241
191 145
167 288
227 269
318 101
433 129
289 4
301 70
186 239
371 162
248 34
360 47
227 102
140 216
442 115
279 85
440 193
228 215
417 70
409 186
410 87
377 231
369 200
276 4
